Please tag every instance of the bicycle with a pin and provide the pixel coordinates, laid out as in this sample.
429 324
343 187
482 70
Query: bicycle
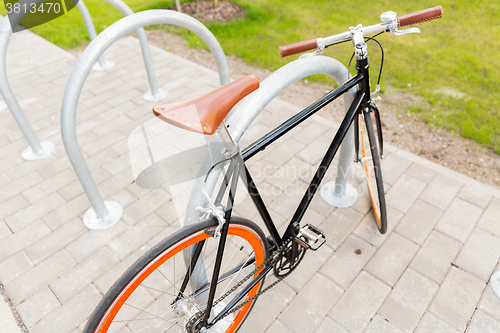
215 258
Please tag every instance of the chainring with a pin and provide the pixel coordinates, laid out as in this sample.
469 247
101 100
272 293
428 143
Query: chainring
285 263
191 326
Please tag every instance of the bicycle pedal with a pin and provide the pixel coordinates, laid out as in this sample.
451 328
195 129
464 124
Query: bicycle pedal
315 237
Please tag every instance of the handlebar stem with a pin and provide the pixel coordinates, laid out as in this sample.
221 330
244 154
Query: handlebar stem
358 39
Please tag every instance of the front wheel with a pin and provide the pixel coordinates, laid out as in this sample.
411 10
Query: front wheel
166 290
370 162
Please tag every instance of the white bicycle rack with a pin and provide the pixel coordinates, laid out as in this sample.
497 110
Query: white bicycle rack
103 214
36 149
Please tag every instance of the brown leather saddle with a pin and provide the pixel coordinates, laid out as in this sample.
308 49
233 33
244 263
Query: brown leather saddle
204 113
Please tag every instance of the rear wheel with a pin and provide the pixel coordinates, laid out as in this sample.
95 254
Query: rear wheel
148 297
370 161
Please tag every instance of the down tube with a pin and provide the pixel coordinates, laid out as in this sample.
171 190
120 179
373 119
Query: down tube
327 160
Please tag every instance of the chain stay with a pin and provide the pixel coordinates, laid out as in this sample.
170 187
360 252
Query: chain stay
270 260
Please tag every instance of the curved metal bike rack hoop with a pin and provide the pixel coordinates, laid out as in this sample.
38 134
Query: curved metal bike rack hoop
102 65
102 214
38 150
242 116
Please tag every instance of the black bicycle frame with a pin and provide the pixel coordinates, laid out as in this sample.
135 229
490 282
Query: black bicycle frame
361 102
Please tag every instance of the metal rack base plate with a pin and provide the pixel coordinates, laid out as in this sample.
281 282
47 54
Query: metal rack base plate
347 200
162 94
115 212
29 155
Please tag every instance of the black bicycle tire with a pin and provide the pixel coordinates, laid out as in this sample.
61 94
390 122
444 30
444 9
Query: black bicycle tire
378 175
114 292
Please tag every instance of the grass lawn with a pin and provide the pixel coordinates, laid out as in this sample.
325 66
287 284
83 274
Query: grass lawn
453 63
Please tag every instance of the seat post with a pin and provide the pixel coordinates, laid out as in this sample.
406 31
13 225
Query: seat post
231 147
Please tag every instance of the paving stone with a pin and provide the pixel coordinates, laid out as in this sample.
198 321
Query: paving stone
404 192
22 239
320 206
489 220
105 281
360 302
408 300
103 142
3 178
49 186
286 203
363 204
277 327
35 279
308 267
133 238
54 168
23 169
12 206
368 230
14 266
93 240
285 151
114 184
267 309
379 324
261 169
421 172
318 296
457 297
436 255
83 274
37 307
268 193
72 189
4 230
419 221
75 207
56 241
314 152
143 207
431 324
339 225
331 326
311 131
441 191
480 254
459 219
474 195
392 258
124 197
288 173
482 323
69 316
19 185
345 264
393 167
490 303
35 211
11 161
117 165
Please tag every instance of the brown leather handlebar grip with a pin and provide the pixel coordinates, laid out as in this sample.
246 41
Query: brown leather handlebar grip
420 16
307 45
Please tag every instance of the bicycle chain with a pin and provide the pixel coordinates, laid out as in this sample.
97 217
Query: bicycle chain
270 260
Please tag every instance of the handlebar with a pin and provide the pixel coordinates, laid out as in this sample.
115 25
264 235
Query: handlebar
390 24
420 16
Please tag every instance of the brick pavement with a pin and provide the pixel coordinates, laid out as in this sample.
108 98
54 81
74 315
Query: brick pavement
433 264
